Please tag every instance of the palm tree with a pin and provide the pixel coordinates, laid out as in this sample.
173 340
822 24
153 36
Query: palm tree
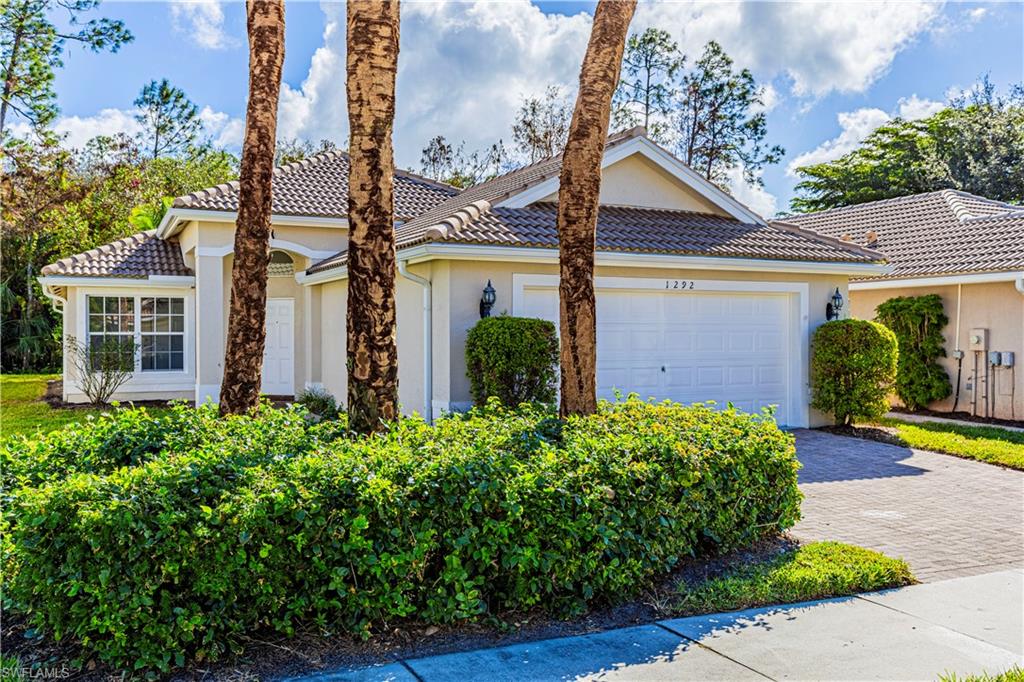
243 357
578 198
372 360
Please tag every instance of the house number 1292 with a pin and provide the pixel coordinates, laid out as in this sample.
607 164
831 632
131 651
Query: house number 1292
678 284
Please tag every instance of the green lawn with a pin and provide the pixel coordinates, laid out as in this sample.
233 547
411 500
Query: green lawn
813 571
22 410
984 443
1014 674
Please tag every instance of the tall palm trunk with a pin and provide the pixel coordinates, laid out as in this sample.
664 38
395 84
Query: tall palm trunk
243 357
578 198
372 352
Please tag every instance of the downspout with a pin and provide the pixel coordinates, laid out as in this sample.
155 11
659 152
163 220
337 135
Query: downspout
1019 283
957 353
428 337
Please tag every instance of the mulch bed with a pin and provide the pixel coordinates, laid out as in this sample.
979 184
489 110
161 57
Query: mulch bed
882 434
270 656
962 416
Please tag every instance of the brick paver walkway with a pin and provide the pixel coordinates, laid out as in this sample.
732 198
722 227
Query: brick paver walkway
948 517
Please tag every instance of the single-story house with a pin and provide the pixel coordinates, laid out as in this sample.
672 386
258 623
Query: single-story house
698 297
970 251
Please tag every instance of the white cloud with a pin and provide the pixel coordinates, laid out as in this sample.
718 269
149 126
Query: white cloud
77 130
857 125
977 14
222 129
819 47
914 107
757 199
464 66
203 21
854 125
462 70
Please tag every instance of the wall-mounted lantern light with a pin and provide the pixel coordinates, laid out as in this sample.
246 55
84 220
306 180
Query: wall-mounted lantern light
487 300
834 305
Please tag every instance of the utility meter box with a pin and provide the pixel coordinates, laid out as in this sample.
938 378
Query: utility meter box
1006 358
978 339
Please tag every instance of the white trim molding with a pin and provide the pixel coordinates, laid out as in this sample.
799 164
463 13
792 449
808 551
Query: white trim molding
151 282
798 292
421 253
222 251
175 219
938 281
664 160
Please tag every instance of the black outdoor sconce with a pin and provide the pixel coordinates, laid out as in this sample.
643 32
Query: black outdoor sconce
834 305
487 300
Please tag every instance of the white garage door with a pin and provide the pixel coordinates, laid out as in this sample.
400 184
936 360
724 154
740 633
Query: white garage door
688 345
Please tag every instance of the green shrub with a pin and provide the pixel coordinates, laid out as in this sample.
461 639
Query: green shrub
853 364
318 401
514 359
178 556
917 322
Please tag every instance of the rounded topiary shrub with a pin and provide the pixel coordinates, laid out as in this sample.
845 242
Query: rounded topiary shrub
513 359
917 322
267 522
853 365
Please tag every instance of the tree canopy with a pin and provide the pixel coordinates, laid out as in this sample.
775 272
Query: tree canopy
975 144
31 49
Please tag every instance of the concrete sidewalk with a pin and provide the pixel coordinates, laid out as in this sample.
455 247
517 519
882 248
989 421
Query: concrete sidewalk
965 625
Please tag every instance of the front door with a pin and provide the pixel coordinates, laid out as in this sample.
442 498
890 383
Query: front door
279 349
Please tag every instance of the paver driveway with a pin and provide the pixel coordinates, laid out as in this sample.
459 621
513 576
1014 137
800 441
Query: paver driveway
948 517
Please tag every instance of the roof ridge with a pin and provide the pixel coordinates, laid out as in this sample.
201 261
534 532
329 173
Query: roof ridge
963 212
463 217
819 237
906 198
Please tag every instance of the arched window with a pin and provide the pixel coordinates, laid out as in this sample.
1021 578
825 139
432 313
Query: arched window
281 264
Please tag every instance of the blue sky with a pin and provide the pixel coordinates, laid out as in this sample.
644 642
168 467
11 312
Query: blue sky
835 71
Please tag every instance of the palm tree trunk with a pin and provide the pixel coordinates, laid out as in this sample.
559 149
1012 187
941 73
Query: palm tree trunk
243 357
372 353
578 198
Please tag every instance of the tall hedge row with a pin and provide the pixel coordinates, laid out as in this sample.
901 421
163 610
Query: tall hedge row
173 552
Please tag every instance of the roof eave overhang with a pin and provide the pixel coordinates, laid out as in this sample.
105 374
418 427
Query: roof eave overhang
420 253
176 218
938 280
150 282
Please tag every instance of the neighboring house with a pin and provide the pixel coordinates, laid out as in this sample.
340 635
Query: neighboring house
698 297
970 251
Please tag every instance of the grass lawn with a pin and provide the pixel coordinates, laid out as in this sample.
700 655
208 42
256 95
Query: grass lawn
984 443
1014 674
23 412
813 571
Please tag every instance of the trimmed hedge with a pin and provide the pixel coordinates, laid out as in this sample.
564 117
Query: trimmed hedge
173 552
853 365
513 359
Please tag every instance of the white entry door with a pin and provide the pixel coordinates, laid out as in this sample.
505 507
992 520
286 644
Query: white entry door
688 345
279 350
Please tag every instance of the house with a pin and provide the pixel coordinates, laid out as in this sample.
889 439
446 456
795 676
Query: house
970 251
698 297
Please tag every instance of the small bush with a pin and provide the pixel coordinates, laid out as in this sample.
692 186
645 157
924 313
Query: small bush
917 322
266 522
852 368
104 367
319 401
514 359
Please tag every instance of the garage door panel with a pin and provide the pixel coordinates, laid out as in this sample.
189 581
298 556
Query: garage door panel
692 346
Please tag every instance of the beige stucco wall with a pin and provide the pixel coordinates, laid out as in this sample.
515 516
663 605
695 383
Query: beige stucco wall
997 307
464 281
333 298
636 181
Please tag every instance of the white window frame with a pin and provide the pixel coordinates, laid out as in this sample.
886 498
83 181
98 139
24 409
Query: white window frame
171 380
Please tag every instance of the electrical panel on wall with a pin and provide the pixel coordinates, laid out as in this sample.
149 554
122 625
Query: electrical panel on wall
978 339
